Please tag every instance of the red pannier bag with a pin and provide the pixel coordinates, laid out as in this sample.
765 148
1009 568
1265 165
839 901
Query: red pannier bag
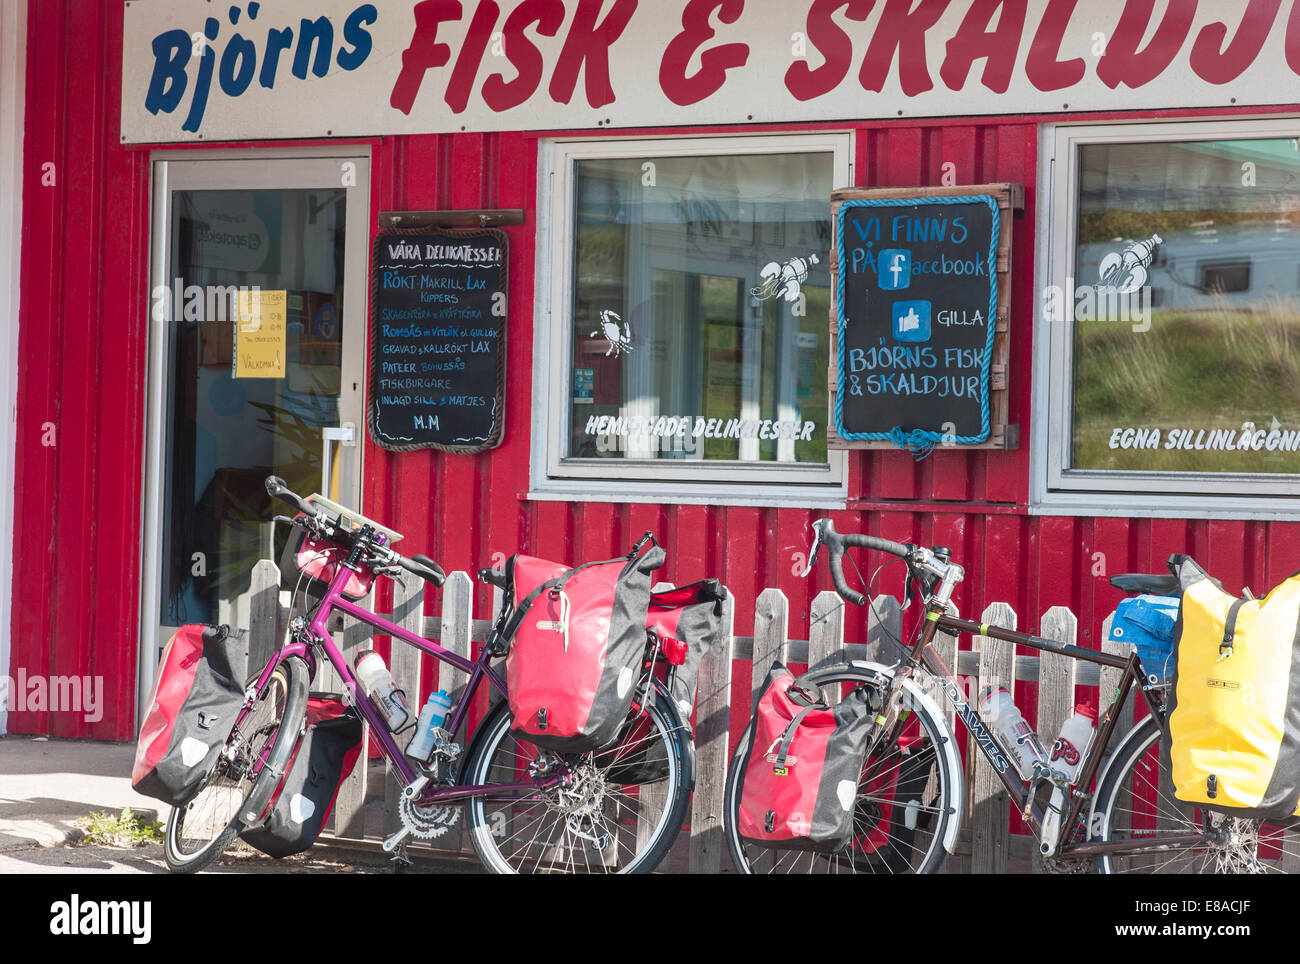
803 765
196 696
323 759
577 646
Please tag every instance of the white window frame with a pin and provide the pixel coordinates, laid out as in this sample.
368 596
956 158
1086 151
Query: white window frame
1056 488
657 480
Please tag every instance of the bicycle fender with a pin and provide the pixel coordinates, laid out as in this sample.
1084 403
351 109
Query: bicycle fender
264 789
688 763
922 699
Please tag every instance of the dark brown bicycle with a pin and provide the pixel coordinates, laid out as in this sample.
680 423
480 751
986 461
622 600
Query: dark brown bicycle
1120 817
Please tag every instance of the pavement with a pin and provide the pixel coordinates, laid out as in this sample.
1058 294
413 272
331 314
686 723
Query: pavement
48 785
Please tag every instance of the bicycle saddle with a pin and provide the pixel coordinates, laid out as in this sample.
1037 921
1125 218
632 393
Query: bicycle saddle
1155 583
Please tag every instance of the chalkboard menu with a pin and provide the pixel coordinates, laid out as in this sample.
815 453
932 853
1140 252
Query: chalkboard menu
437 362
918 300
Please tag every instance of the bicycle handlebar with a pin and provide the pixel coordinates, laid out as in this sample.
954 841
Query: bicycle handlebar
418 565
836 543
278 490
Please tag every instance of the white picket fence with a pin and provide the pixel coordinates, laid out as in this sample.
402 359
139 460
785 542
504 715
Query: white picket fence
365 814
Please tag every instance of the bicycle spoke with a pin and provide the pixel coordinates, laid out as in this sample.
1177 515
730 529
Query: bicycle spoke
1140 807
591 813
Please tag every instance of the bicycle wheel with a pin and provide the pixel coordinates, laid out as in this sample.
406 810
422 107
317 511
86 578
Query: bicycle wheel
619 810
905 799
200 831
1135 802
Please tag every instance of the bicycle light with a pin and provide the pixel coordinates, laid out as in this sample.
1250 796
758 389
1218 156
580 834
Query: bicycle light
674 650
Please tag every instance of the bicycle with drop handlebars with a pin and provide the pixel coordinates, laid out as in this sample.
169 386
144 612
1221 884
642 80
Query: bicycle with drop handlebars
527 809
1116 815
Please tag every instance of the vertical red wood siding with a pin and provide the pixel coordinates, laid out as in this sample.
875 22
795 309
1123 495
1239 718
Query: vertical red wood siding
83 352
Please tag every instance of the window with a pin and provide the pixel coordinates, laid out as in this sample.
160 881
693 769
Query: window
683 332
1167 357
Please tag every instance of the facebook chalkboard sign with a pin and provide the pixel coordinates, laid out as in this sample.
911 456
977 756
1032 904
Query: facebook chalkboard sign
437 350
919 291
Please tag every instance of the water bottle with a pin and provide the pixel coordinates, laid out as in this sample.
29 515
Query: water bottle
1021 743
377 683
431 719
1076 734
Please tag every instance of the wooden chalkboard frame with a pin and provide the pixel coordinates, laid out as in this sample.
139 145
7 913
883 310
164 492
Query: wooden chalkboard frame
1008 199
494 436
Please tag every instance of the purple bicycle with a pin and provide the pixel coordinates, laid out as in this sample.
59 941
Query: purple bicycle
527 809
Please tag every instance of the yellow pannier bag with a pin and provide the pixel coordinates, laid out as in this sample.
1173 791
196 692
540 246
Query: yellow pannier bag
1234 721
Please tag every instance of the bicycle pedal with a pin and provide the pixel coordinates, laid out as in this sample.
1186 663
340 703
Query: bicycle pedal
401 861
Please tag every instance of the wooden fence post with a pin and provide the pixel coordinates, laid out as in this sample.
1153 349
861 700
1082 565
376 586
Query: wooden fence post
456 623
771 632
990 830
712 744
825 631
350 807
945 644
1056 675
771 643
885 630
404 663
651 798
263 614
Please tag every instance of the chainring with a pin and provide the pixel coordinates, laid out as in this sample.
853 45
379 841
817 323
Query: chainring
426 823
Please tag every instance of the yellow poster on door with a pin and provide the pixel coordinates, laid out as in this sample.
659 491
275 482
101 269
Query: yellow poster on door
260 338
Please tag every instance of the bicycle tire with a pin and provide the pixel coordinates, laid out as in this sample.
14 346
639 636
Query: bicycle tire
1130 791
562 832
882 841
201 830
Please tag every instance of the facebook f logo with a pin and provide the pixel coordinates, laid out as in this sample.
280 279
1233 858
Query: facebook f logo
894 268
911 320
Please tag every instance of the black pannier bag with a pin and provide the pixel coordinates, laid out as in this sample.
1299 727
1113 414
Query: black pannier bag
325 756
690 616
196 696
683 621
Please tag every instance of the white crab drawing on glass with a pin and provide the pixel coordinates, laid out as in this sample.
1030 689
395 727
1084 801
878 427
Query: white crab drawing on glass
616 331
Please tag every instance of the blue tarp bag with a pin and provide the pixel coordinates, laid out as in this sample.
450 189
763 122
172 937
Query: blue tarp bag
1148 623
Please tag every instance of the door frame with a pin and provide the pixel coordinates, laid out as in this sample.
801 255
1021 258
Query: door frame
13 85
252 169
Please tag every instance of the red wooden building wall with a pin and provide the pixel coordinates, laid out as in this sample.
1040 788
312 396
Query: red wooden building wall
85 316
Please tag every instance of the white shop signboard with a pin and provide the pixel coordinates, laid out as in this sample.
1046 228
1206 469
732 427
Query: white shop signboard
194 69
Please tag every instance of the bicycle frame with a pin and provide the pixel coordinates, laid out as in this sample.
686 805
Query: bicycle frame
924 654
478 670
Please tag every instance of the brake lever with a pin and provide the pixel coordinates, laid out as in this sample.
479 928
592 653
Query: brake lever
812 553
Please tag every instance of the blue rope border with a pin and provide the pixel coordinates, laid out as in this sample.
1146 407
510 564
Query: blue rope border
918 441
